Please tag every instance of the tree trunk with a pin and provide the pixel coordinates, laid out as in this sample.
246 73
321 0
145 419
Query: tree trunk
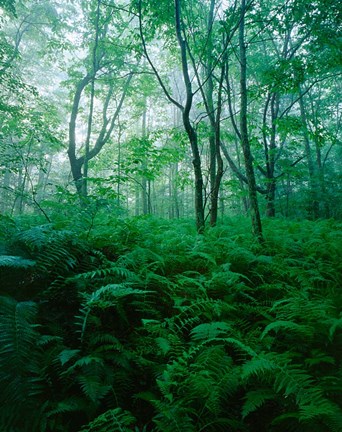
314 203
252 189
270 150
218 158
191 132
270 197
5 191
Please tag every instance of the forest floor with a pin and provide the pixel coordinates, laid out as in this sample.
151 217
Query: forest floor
143 325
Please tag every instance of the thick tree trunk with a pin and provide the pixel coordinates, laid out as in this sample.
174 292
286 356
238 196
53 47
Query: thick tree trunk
107 126
76 164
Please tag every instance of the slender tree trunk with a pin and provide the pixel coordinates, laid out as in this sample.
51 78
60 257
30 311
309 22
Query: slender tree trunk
252 189
118 184
5 191
270 152
322 184
217 140
171 210
323 199
244 199
211 114
137 200
175 198
214 115
18 202
191 132
91 106
43 178
144 182
314 203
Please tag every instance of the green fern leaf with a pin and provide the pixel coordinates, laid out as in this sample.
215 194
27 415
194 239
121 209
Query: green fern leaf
86 361
299 329
335 324
66 406
66 355
21 362
163 344
114 420
240 345
255 399
210 330
92 387
15 262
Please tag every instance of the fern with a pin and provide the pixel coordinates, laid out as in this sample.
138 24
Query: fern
210 330
174 417
92 386
254 399
185 332
290 380
299 329
20 361
114 420
15 263
68 405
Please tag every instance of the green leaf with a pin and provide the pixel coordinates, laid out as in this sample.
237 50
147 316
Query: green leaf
210 330
66 355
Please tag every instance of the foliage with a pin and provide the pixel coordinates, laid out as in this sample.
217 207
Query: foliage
144 325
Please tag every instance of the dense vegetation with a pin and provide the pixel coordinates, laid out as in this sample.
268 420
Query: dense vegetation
144 325
170 216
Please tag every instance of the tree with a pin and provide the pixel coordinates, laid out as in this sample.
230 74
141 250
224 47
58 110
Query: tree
103 67
185 109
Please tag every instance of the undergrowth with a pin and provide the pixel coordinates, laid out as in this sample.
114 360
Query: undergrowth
143 325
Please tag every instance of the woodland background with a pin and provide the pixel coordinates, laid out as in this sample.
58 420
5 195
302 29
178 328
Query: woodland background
170 215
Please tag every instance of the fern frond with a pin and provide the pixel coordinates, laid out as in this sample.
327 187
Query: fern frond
36 237
173 417
210 330
113 292
206 307
114 420
335 323
302 330
85 361
92 386
71 404
239 345
104 272
21 380
67 355
15 262
290 380
254 399
222 424
18 335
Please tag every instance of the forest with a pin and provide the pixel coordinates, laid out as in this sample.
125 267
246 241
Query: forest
170 216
